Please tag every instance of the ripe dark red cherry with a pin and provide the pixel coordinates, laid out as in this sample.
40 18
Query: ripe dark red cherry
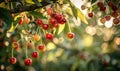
41 47
35 54
90 14
39 21
114 7
45 26
12 60
59 16
108 17
100 4
49 36
116 21
114 14
103 8
70 35
110 3
52 20
28 61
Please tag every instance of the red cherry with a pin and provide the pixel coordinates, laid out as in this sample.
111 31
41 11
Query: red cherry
59 16
45 26
41 47
12 60
49 11
35 54
52 20
116 21
100 4
28 61
70 35
56 25
103 8
114 14
62 21
90 14
20 21
39 21
54 15
110 3
108 17
49 36
114 7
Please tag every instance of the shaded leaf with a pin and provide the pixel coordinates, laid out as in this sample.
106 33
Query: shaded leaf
5 16
93 1
37 14
37 2
2 5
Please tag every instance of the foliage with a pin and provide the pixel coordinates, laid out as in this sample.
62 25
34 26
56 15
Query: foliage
92 44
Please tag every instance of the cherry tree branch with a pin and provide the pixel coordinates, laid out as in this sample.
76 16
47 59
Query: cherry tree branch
28 8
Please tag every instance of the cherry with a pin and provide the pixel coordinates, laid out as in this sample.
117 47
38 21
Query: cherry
36 37
58 17
100 4
20 21
35 54
52 20
103 8
84 57
62 21
26 20
28 61
12 60
102 20
41 47
114 14
116 21
49 11
30 44
49 36
56 25
83 7
90 14
45 26
108 17
70 35
39 21
110 3
15 45
114 7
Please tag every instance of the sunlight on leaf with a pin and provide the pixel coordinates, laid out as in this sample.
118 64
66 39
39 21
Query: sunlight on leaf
2 5
61 28
82 17
50 46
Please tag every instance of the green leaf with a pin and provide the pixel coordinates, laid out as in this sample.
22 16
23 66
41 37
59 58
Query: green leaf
14 25
78 13
74 10
5 16
37 14
81 16
61 28
37 2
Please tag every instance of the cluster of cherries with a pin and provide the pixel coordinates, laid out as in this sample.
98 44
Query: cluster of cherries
54 21
114 13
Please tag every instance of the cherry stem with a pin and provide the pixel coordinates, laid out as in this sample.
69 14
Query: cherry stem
26 52
12 52
69 26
